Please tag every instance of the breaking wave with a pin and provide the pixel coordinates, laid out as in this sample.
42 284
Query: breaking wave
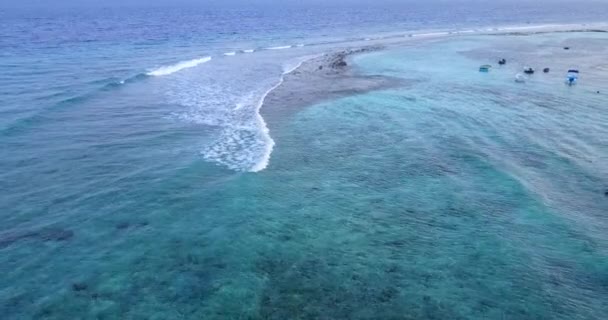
167 70
279 48
244 142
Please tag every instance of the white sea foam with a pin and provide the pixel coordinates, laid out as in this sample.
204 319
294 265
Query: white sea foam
533 27
248 50
268 141
166 70
244 142
263 162
292 65
300 45
232 53
279 48
431 34
229 108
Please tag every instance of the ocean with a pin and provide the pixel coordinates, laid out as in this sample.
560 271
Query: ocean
257 163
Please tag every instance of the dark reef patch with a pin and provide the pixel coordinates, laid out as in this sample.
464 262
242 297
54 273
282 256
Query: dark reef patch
45 234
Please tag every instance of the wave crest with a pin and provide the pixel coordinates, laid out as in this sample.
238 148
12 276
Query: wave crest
279 48
167 70
244 143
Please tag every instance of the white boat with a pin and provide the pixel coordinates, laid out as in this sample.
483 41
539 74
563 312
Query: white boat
520 78
572 77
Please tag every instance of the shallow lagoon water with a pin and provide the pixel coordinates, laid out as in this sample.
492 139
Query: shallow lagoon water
460 195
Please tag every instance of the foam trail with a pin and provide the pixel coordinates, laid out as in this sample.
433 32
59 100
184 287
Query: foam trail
291 66
245 143
279 48
431 34
269 142
167 70
532 27
263 163
248 50
232 53
300 45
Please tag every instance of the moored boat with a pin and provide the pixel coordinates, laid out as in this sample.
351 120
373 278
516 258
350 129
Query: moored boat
485 68
572 77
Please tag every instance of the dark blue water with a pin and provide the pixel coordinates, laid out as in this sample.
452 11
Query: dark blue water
139 180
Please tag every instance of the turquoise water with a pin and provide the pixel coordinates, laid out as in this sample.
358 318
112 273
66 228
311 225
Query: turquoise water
458 196
126 191
464 195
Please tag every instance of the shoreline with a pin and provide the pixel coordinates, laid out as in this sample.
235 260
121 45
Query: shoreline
334 66
319 79
340 79
531 33
309 81
331 76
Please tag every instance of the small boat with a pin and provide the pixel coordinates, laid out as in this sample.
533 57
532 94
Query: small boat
502 62
520 78
572 77
528 70
546 70
485 68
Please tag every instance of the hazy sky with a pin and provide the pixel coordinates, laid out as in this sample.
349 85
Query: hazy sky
249 3
48 3
102 3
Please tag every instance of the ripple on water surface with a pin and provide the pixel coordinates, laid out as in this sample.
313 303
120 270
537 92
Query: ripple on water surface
461 196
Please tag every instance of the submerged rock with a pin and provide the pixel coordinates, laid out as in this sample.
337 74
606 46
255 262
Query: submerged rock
122 225
46 234
128 225
54 234
339 61
79 286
